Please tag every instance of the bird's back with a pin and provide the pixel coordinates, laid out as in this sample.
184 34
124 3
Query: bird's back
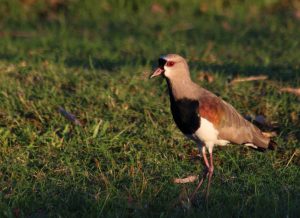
228 122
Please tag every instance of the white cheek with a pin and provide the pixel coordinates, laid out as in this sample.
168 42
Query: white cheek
167 71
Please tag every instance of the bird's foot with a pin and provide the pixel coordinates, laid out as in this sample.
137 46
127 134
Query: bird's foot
204 176
207 173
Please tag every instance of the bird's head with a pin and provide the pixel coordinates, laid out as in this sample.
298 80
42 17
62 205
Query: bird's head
172 66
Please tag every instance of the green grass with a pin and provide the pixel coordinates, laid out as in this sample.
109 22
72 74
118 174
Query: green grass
94 60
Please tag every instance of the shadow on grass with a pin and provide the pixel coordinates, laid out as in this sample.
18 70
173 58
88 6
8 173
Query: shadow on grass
61 201
275 72
57 201
104 64
285 73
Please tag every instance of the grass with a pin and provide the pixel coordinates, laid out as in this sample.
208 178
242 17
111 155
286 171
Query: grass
94 60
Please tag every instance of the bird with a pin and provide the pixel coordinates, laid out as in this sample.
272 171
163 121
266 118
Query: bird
204 117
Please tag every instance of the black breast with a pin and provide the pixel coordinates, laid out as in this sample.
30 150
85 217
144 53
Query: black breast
185 113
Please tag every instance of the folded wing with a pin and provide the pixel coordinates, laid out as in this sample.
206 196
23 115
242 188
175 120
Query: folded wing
230 124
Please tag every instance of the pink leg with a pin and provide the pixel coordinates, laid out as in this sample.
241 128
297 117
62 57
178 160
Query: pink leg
205 173
210 173
204 157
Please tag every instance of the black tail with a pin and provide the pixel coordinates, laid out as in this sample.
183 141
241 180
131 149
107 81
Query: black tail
272 145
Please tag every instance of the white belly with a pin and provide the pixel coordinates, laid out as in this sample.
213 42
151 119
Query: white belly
208 134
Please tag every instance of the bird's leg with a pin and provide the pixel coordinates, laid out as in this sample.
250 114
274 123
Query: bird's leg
210 173
205 172
204 157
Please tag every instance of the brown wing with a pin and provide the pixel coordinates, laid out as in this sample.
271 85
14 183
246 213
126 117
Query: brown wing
230 124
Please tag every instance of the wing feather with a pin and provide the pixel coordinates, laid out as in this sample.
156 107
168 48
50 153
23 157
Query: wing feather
230 124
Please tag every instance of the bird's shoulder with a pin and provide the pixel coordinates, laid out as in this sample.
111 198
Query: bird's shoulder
211 107
218 111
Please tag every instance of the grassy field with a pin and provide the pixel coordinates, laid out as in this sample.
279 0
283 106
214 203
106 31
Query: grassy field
93 58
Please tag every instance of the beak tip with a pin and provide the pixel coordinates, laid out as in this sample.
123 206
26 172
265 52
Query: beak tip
156 73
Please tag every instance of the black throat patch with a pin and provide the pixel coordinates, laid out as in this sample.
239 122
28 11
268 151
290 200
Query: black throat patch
185 113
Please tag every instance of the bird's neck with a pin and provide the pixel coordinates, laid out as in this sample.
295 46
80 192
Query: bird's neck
180 88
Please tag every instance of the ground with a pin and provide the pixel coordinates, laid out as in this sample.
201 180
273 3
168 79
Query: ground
93 59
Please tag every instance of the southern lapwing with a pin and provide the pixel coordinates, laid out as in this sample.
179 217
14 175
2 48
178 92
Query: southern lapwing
203 117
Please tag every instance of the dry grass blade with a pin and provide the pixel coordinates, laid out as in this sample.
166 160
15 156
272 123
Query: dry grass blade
290 160
188 179
71 117
182 27
295 91
247 79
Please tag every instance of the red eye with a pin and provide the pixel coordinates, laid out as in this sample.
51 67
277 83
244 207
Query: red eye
170 63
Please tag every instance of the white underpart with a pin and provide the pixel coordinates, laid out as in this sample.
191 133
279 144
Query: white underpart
250 145
208 134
